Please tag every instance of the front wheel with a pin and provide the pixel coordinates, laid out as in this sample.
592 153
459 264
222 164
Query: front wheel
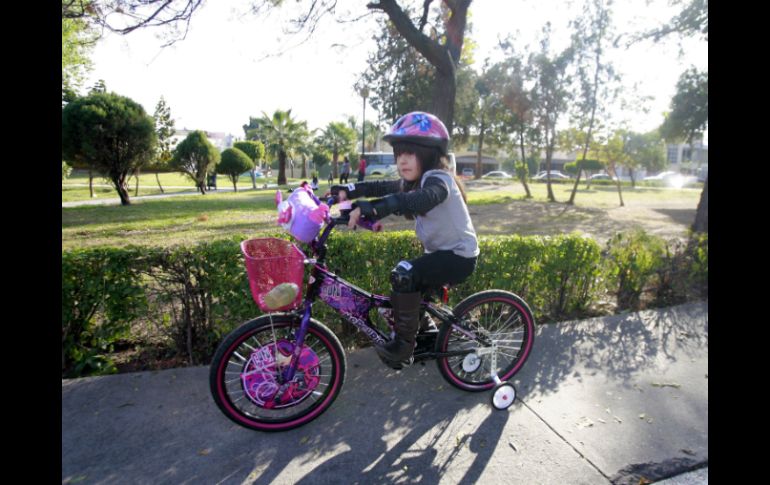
246 373
501 318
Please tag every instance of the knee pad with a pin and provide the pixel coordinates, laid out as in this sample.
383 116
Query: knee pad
402 278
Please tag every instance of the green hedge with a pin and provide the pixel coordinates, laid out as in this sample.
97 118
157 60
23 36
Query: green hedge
191 296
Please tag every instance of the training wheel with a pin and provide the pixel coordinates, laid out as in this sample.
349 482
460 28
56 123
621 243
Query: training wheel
503 396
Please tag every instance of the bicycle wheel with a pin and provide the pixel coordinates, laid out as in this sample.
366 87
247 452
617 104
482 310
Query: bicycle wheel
503 318
244 374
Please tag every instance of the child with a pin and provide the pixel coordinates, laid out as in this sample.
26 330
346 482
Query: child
429 194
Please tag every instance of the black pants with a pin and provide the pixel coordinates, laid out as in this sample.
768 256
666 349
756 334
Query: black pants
433 270
344 178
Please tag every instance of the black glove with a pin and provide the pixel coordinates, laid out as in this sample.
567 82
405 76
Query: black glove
378 208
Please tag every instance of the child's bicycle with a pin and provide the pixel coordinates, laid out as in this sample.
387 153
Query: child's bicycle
284 369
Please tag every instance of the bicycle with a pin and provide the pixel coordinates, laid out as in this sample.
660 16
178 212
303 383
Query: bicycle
284 369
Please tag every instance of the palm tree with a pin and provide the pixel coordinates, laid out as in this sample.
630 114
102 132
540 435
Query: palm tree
304 149
282 133
337 138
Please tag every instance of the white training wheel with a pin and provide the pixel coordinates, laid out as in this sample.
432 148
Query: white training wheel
503 396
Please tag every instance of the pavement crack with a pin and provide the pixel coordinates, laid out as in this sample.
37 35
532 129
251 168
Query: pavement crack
595 467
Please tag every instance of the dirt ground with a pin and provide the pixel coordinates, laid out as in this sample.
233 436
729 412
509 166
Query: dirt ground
667 219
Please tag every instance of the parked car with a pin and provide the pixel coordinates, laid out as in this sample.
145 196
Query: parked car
497 174
555 175
660 176
468 172
603 176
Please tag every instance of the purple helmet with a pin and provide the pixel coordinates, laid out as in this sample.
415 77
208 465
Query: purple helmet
421 129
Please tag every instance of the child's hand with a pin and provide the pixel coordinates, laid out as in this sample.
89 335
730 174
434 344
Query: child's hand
355 215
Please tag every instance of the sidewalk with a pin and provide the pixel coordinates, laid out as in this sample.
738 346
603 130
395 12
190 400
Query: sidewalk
605 400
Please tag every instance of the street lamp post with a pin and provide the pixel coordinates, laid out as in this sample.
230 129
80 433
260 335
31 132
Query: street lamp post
364 94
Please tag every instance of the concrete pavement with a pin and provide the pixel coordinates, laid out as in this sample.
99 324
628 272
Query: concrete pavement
607 400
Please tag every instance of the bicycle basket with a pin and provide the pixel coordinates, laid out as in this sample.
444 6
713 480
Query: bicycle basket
273 266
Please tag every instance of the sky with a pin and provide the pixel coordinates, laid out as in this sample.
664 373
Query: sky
223 71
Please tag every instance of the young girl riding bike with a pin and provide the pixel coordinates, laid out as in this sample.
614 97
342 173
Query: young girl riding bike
429 194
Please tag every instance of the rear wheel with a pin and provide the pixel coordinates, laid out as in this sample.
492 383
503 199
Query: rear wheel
499 316
246 373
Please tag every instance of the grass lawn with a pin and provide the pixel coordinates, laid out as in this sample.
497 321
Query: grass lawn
598 196
192 218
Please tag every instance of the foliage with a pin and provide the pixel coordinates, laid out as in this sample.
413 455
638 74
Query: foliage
101 295
164 128
337 139
633 260
77 41
110 133
255 150
281 134
234 162
689 108
196 157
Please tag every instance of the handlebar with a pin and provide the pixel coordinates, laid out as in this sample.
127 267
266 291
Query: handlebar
344 217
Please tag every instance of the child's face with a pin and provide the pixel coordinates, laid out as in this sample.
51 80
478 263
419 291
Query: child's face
409 167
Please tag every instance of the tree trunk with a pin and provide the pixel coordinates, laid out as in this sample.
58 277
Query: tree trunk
304 167
701 223
157 177
291 167
444 91
282 168
253 173
120 186
202 187
235 184
136 193
478 153
335 156
91 182
524 161
548 156
614 173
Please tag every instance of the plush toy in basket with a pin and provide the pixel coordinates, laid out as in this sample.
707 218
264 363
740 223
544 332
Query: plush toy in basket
302 214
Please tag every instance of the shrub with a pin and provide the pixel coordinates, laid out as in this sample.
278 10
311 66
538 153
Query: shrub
632 261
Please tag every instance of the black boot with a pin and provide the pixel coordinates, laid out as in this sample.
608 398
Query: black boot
406 316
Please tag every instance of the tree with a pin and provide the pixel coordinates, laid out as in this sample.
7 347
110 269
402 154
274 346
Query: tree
517 109
646 151
196 157
687 120
125 16
612 153
281 133
398 77
110 132
77 41
691 21
550 95
689 114
164 128
234 162
255 150
337 138
442 51
594 71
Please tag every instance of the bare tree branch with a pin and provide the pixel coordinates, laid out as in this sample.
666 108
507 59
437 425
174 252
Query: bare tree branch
424 18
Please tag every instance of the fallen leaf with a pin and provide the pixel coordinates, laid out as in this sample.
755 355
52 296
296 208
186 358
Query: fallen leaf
642 416
666 384
584 423
688 452
602 421
618 419
512 445
304 440
204 452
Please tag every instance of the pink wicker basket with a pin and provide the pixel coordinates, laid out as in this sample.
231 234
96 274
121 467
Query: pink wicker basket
269 263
